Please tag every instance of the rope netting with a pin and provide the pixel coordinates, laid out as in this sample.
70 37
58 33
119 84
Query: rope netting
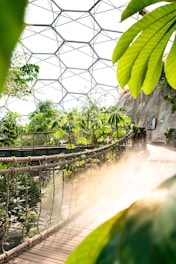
40 194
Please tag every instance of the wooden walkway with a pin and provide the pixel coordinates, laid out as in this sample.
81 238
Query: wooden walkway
133 181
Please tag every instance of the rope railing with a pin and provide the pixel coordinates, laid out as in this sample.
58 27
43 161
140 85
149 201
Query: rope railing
40 194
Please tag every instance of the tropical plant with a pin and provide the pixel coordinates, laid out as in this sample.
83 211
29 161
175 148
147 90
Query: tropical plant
10 129
88 119
14 190
117 119
98 127
43 117
86 126
140 50
20 79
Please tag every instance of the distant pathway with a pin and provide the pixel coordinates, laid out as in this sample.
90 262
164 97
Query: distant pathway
133 178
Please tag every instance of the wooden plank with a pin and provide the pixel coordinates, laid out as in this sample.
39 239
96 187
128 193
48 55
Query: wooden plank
56 248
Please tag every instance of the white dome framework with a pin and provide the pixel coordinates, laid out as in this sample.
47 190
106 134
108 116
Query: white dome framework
72 42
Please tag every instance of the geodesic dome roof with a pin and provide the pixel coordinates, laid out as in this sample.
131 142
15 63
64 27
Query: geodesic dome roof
72 42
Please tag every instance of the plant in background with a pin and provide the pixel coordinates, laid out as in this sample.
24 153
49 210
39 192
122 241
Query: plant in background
170 136
20 79
171 97
59 134
118 120
21 187
101 129
167 132
96 125
71 127
88 117
43 117
10 129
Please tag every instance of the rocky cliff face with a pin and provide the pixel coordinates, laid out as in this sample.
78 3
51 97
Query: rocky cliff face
154 112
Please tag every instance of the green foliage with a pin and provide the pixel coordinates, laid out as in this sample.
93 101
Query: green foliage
169 94
28 72
140 49
92 125
43 117
171 97
173 108
10 129
170 136
141 234
99 123
19 80
149 232
82 140
11 26
70 146
18 186
59 134
92 247
118 119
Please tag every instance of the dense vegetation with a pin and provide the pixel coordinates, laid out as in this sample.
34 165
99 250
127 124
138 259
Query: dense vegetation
92 125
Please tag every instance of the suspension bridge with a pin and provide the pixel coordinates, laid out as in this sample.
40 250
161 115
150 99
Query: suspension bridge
50 207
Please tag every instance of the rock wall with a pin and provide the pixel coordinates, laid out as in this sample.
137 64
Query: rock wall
151 111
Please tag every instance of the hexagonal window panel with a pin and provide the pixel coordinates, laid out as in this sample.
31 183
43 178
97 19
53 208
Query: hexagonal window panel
23 53
78 26
49 90
50 66
104 96
39 39
74 101
104 43
108 13
77 81
41 12
75 5
104 73
23 107
72 42
77 55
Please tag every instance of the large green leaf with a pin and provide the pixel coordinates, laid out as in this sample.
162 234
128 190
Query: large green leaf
136 6
11 26
134 59
155 65
149 234
144 233
89 250
110 254
127 37
138 72
170 66
128 58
